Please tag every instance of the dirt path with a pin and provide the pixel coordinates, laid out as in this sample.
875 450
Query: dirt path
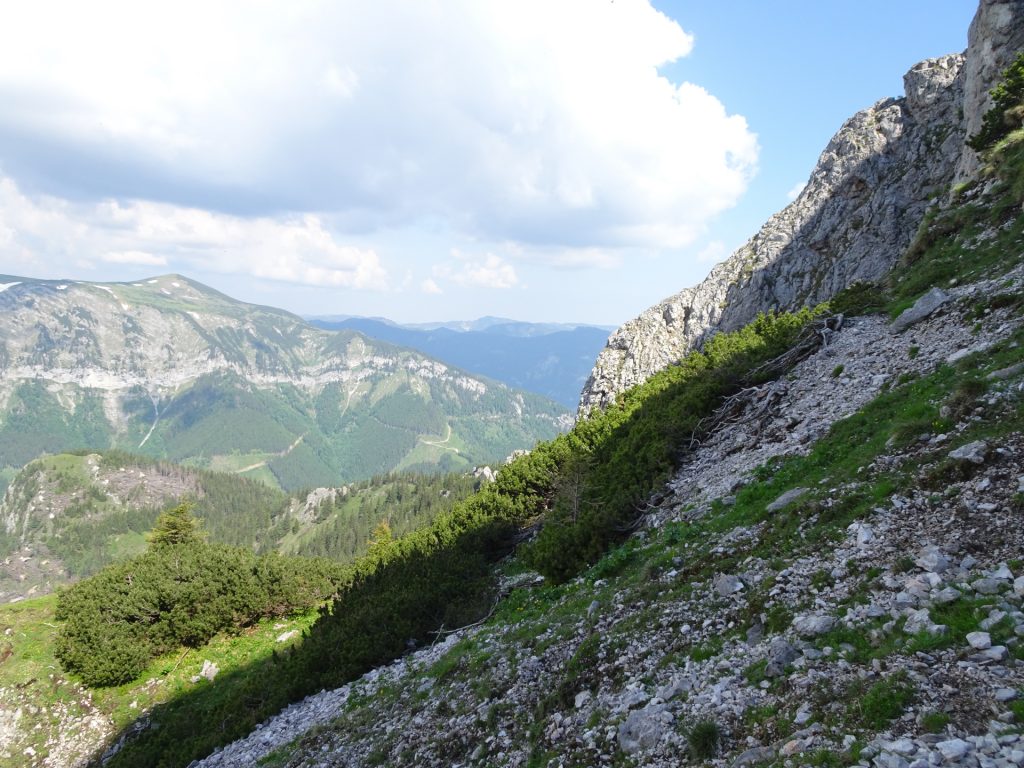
441 443
263 463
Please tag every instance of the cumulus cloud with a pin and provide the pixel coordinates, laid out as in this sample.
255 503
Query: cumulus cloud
489 272
795 191
47 233
713 252
513 120
568 258
430 286
134 257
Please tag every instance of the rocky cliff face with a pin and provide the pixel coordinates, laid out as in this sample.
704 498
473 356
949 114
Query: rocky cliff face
859 211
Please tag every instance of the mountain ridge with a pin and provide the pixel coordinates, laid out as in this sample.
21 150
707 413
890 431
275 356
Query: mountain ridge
863 203
553 363
172 368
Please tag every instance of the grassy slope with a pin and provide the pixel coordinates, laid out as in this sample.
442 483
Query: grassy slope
31 679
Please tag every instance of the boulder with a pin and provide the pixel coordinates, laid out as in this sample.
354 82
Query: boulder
786 499
813 625
975 452
643 729
923 307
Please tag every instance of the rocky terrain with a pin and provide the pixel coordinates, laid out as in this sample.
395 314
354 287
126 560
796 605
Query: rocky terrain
895 643
860 209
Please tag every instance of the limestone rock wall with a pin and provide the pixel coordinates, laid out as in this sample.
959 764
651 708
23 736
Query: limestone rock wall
859 211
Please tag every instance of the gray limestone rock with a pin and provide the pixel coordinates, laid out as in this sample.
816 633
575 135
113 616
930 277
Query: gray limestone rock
974 452
931 559
953 749
922 308
813 625
754 756
780 655
727 585
642 730
786 499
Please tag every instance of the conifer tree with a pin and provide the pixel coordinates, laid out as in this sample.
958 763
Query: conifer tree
177 525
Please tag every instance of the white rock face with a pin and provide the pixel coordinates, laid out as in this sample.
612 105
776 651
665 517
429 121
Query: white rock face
859 211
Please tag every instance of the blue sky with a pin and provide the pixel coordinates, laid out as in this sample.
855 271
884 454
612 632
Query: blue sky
569 160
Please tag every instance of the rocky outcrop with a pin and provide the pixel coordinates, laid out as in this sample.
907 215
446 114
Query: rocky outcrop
995 37
859 211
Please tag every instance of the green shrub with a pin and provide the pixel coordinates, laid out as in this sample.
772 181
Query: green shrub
861 298
884 701
116 622
703 739
1004 115
631 447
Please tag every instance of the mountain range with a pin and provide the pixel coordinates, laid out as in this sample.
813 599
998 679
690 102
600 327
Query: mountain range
550 359
172 369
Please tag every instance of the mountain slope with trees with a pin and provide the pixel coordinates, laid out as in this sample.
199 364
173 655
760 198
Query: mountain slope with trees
171 369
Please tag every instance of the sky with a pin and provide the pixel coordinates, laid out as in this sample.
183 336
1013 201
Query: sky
420 160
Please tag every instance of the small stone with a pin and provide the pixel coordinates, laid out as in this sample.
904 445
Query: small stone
753 756
953 749
986 586
1005 694
582 698
803 715
727 585
1018 586
642 730
931 559
786 499
996 653
1002 573
979 640
863 533
920 621
813 626
922 308
975 452
945 596
780 655
209 670
792 747
1007 373
905 747
284 637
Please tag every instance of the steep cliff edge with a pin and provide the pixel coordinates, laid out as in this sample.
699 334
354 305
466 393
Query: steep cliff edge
860 209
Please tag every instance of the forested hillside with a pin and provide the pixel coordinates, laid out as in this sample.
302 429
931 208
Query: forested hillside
66 516
171 369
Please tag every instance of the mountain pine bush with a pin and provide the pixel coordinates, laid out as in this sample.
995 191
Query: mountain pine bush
180 592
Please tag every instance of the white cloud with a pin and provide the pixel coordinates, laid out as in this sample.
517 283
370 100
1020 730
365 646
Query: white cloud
430 286
795 191
48 233
490 272
134 257
512 120
567 258
713 252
